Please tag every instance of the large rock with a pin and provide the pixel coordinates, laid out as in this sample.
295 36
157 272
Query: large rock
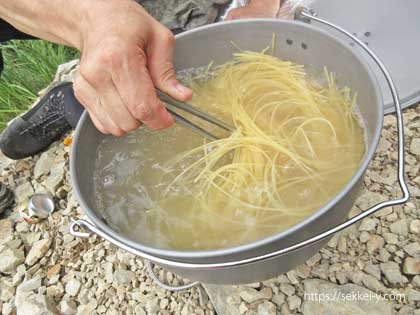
36 304
219 295
10 258
24 191
325 298
411 266
392 273
44 164
38 250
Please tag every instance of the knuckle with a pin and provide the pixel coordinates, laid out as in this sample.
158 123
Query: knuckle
112 58
168 37
93 73
131 126
118 132
143 112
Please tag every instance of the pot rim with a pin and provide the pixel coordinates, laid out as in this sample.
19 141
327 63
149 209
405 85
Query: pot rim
217 253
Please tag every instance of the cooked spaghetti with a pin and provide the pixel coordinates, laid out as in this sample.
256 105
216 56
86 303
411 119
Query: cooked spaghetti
296 145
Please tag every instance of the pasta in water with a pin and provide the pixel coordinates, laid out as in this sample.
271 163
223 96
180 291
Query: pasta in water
297 143
295 147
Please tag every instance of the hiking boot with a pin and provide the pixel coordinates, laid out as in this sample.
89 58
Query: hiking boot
6 197
56 113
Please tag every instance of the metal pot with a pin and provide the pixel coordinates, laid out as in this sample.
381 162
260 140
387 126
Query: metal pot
262 259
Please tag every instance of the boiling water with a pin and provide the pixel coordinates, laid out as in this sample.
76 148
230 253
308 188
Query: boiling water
131 182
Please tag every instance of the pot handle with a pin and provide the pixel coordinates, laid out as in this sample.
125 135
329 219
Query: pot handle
305 15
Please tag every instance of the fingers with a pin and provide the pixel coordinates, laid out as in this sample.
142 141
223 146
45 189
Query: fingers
137 91
160 65
104 117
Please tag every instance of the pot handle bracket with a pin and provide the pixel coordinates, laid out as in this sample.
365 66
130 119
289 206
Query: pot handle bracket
78 227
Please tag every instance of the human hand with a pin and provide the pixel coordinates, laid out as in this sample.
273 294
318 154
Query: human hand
256 9
125 54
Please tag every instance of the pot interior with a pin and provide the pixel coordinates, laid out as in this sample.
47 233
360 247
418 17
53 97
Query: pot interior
296 42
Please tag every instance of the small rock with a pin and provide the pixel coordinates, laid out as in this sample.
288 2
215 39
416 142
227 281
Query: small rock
24 191
415 146
413 295
7 290
294 302
36 304
411 266
73 287
37 251
373 270
416 281
68 307
415 226
44 164
313 260
412 249
10 258
6 229
53 271
400 227
391 238
392 273
287 289
55 178
122 276
251 295
266 308
374 244
368 225
369 198
278 299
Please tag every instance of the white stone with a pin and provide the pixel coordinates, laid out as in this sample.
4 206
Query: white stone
287 289
294 302
266 308
24 191
415 226
392 272
412 249
122 276
411 266
390 238
68 307
251 295
73 287
10 258
368 224
36 304
55 178
7 290
400 227
44 164
374 244
38 250
415 146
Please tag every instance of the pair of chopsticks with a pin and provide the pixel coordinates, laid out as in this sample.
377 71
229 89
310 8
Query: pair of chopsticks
171 104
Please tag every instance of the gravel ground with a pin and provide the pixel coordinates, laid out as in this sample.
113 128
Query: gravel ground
45 270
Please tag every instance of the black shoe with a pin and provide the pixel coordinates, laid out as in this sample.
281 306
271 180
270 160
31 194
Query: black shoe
6 197
43 124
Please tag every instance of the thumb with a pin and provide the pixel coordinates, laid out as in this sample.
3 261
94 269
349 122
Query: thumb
160 64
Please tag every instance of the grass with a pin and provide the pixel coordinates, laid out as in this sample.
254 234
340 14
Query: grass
29 66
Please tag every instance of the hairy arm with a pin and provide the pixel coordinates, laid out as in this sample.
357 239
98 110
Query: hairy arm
58 21
125 54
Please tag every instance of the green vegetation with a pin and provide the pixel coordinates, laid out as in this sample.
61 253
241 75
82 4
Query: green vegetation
29 66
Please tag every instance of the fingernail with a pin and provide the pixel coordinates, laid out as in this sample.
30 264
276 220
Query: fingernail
183 90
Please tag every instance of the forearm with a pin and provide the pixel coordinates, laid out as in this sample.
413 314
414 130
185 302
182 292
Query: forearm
57 21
